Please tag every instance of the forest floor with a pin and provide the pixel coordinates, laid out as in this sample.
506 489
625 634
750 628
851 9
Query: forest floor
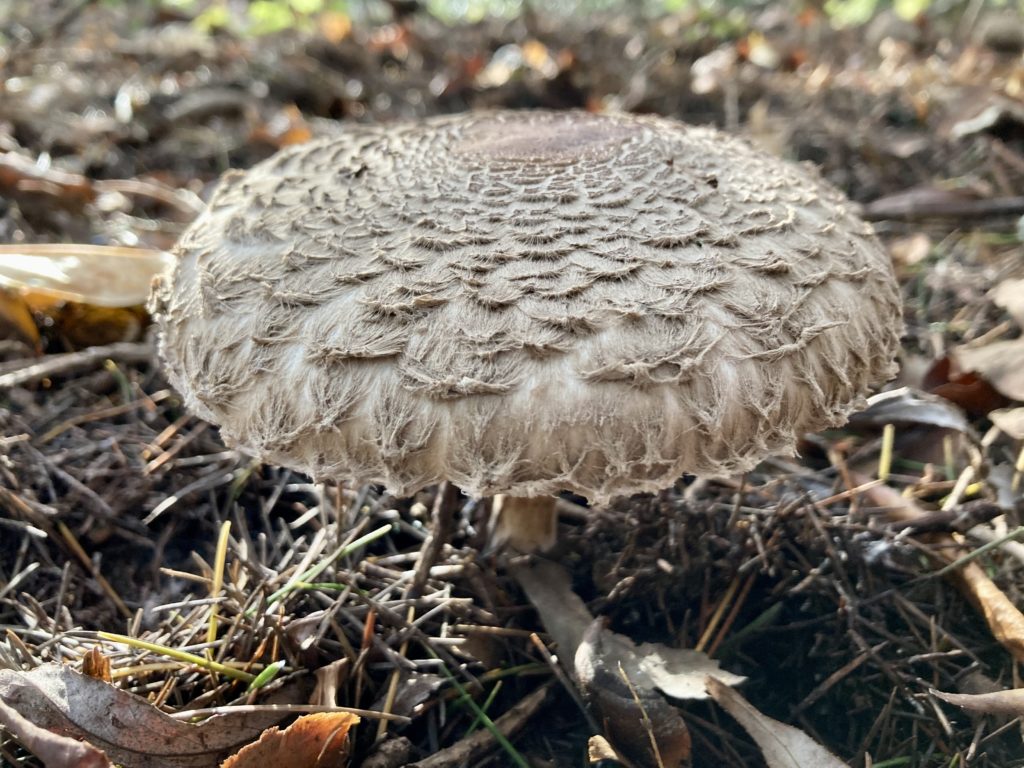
817 584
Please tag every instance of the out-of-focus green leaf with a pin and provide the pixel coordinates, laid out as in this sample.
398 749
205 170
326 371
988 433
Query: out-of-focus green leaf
845 13
306 7
910 9
268 16
214 17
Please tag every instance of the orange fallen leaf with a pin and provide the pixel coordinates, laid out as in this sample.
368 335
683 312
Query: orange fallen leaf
335 26
284 129
314 741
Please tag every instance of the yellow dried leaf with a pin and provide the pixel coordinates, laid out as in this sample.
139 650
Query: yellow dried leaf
16 318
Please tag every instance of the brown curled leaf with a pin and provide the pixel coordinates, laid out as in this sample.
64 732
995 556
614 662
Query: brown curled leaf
54 749
130 730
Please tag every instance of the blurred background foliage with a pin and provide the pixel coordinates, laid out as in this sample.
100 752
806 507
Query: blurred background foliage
260 17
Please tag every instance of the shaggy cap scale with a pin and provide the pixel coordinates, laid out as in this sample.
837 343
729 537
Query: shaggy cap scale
526 302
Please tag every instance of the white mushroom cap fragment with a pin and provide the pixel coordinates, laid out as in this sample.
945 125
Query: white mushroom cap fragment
525 303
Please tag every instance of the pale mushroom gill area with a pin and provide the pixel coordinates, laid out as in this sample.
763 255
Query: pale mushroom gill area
527 303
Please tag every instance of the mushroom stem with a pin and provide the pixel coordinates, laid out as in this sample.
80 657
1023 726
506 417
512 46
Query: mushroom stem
529 524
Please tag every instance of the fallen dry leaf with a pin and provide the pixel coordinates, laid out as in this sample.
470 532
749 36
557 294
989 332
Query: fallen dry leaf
413 689
710 71
83 325
926 426
968 390
1010 420
329 679
908 406
783 746
91 295
1004 480
599 749
621 682
910 251
319 740
678 672
641 724
1009 295
1001 364
130 730
1010 702
54 749
995 110
102 276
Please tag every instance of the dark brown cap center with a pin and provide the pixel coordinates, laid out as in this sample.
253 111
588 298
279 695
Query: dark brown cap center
559 138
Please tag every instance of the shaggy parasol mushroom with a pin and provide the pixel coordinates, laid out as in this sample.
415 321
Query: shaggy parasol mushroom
523 303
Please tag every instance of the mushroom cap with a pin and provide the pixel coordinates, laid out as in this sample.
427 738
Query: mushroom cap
526 302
